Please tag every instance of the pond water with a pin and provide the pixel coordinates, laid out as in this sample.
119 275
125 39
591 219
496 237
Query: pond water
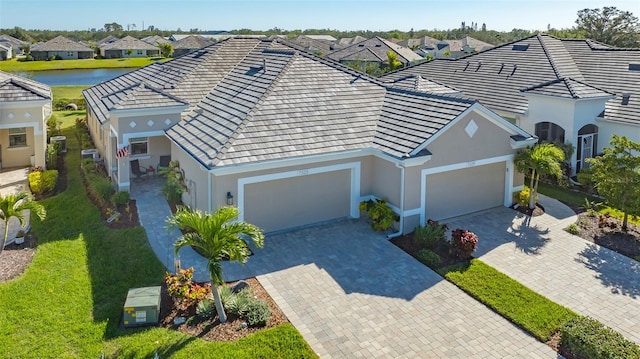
82 77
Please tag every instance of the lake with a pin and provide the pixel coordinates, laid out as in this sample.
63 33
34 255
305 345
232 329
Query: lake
81 77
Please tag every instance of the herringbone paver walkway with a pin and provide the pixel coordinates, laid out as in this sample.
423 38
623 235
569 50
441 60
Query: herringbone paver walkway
538 253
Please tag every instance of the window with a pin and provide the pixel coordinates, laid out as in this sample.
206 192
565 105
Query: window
139 145
69 53
18 137
549 132
139 52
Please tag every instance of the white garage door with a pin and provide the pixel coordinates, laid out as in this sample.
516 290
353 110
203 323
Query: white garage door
297 201
454 193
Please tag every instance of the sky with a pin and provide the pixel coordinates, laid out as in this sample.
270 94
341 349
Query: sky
501 15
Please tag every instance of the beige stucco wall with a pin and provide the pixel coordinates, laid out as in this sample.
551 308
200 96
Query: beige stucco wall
31 115
195 179
122 124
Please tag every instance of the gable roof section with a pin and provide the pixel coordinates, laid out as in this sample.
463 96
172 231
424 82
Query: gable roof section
379 47
496 76
129 43
567 87
421 84
61 43
15 88
140 96
155 40
191 42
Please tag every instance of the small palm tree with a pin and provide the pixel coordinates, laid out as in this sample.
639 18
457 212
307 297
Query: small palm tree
219 237
541 159
13 205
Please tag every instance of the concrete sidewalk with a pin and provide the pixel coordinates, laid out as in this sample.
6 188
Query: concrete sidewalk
578 274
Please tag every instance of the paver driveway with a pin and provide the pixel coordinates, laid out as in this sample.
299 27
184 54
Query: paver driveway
351 293
538 253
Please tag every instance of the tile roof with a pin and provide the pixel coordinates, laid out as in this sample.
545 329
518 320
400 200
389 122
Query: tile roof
379 47
419 83
140 96
16 88
424 41
254 100
12 40
155 40
61 43
129 43
308 43
191 42
567 87
496 76
107 40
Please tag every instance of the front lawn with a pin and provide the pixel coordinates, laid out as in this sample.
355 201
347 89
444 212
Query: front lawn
68 303
67 91
27 66
524 307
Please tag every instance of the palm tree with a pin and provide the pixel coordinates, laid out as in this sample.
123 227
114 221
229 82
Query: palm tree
541 159
218 236
13 205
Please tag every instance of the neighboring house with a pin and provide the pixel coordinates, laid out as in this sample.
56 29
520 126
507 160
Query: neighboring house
16 44
107 40
189 44
156 40
128 46
346 41
426 46
327 38
218 36
6 51
62 48
374 50
466 46
25 107
262 125
574 91
315 46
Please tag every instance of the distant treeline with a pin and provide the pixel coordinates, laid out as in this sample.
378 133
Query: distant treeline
489 36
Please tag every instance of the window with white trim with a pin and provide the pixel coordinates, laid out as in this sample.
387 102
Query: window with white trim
18 137
139 146
139 52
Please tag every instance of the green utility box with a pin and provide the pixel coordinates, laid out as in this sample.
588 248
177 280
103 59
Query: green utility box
142 307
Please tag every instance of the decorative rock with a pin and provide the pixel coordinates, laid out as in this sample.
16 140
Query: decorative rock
179 320
239 286
243 325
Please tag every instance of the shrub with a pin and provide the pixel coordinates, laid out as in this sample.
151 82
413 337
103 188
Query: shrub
120 198
430 235
205 309
184 290
573 229
524 196
585 337
258 313
381 215
463 243
43 181
175 186
88 166
54 150
429 258
101 187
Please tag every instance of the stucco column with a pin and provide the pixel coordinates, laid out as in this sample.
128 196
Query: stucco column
40 146
123 177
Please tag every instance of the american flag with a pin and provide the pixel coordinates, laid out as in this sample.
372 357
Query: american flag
123 152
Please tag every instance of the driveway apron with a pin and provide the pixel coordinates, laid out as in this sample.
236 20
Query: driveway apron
537 252
353 294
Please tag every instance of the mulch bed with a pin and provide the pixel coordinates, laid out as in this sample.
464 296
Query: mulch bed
537 211
15 258
607 232
211 329
128 213
407 244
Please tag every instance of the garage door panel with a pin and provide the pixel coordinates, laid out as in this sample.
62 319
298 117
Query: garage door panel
297 201
454 193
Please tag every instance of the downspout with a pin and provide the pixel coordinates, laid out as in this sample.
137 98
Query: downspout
401 214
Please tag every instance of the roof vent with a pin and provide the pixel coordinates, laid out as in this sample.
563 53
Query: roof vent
501 68
515 67
465 68
520 47
479 64
634 67
625 98
264 65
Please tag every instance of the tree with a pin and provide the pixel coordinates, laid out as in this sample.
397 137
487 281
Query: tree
166 49
13 205
541 159
112 27
219 237
392 61
129 52
616 175
610 26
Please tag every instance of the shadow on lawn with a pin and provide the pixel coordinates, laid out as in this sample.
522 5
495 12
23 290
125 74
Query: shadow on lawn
615 271
163 351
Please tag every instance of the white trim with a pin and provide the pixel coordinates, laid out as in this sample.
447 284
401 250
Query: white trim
176 110
37 129
508 182
560 98
517 188
129 135
457 166
8 105
354 210
412 212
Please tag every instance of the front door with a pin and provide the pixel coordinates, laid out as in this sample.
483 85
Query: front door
586 150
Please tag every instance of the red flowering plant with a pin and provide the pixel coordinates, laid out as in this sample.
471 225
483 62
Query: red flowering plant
184 290
463 243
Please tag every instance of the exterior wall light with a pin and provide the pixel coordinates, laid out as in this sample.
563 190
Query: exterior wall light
229 199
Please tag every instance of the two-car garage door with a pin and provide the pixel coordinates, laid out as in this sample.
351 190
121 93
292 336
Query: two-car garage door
462 191
299 200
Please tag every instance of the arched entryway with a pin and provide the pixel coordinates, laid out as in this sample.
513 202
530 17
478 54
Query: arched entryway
586 146
549 132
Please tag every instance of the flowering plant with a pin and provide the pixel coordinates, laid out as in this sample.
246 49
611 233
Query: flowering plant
184 290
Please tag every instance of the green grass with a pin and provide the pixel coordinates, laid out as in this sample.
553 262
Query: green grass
67 91
536 314
68 303
27 66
